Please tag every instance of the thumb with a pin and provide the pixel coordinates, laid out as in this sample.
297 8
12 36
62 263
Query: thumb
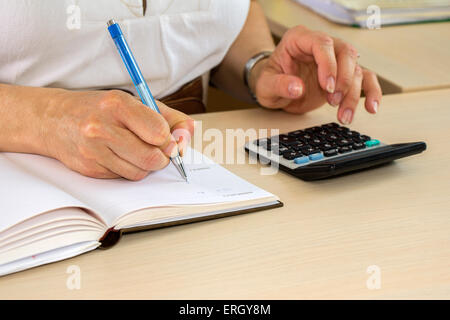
277 90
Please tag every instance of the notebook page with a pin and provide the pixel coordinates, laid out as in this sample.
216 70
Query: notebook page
23 195
112 198
48 256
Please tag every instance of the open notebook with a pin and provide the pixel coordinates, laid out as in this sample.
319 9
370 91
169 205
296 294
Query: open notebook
49 213
358 12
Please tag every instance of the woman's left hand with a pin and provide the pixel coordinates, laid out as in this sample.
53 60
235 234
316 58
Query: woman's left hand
310 68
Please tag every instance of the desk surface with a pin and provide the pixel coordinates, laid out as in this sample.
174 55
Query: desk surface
319 245
406 58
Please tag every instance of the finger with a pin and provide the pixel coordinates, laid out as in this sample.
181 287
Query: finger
109 160
348 106
347 57
93 169
131 148
172 116
147 124
182 132
325 58
102 173
277 90
318 45
152 127
372 90
181 125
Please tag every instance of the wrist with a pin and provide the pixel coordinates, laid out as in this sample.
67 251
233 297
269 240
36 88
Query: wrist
253 69
51 114
255 74
22 111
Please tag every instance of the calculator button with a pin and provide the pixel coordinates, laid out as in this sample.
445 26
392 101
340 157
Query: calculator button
322 134
327 146
332 137
291 155
309 150
330 153
297 145
351 134
295 133
301 160
372 143
289 143
358 146
343 142
316 156
306 136
345 149
279 151
313 130
316 142
330 125
364 138
341 130
287 139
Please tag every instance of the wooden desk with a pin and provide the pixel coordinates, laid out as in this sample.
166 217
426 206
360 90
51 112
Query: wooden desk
319 245
406 58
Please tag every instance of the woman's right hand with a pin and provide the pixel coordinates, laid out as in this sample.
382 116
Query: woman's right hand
110 134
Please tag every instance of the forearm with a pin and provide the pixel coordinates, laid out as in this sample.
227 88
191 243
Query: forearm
254 38
21 118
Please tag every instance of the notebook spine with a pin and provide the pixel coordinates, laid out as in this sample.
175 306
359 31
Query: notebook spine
110 238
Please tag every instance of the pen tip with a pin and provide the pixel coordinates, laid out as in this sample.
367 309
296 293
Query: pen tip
185 176
180 167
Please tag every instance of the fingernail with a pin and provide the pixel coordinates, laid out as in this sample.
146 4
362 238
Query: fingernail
331 85
295 90
171 150
375 106
347 116
336 98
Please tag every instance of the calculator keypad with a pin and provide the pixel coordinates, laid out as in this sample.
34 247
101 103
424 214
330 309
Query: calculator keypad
301 147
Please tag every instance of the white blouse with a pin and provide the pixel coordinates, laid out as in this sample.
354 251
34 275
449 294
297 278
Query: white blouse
66 44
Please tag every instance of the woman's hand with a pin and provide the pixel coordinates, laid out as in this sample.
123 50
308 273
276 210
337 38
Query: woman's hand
310 68
109 134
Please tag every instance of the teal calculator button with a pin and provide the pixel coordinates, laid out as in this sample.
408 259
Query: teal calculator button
301 160
316 156
372 143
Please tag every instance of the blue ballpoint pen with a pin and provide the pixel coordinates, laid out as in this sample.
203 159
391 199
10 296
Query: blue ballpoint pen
139 81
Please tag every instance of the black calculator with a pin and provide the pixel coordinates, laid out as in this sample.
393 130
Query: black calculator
328 150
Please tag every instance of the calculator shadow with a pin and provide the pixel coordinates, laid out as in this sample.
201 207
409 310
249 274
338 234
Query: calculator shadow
373 173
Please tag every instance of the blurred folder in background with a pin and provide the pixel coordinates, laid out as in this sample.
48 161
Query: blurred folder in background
362 13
